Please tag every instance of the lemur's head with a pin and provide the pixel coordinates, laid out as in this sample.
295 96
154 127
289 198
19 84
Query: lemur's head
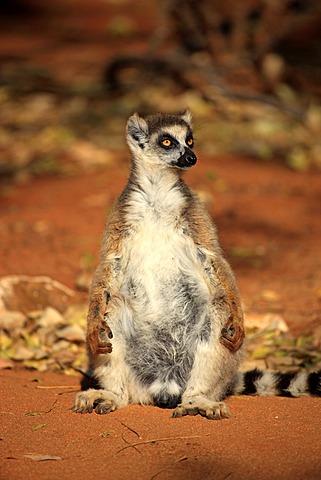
162 139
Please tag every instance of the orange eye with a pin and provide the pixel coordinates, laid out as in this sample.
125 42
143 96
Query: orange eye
166 142
190 142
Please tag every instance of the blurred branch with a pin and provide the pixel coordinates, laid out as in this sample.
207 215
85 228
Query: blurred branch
215 33
184 74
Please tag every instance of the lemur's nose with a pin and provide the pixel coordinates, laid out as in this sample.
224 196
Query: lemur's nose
191 159
187 160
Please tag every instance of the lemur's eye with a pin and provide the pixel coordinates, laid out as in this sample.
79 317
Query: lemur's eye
190 142
166 142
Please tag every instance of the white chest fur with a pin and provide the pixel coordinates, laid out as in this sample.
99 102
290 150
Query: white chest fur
165 285
163 276
160 253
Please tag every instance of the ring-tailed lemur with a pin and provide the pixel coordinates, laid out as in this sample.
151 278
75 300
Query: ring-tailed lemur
165 295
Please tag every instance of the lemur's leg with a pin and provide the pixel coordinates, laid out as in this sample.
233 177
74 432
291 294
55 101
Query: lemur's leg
216 361
214 367
109 369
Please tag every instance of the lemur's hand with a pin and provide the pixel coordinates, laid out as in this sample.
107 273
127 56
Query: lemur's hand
99 333
97 338
232 334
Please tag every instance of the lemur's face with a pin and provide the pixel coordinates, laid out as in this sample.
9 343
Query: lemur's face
162 140
174 145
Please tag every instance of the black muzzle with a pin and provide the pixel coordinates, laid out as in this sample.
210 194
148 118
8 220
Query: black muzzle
187 160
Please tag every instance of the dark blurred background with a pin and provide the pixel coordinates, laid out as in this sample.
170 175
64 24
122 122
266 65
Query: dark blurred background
250 72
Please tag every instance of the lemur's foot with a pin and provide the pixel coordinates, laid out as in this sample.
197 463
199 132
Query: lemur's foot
98 400
210 410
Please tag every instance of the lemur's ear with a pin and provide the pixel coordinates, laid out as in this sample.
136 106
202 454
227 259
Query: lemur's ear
187 117
137 130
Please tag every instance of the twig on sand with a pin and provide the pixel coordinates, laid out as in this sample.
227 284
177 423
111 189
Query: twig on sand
131 430
181 459
58 386
156 440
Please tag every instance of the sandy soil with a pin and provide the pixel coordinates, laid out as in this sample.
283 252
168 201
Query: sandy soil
267 438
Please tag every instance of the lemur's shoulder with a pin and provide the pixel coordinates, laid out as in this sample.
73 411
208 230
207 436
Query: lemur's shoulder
115 230
201 225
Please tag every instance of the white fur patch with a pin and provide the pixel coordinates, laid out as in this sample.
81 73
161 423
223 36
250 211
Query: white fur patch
169 386
177 131
265 385
299 385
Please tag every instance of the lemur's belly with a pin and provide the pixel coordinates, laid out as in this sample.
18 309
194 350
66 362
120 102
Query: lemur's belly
170 300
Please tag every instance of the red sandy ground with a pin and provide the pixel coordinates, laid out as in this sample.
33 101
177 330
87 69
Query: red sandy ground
48 223
267 438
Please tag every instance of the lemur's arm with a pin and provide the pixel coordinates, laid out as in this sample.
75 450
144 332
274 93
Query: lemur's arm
232 334
105 284
204 235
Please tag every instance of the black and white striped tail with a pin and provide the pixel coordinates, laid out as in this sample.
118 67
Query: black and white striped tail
285 384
